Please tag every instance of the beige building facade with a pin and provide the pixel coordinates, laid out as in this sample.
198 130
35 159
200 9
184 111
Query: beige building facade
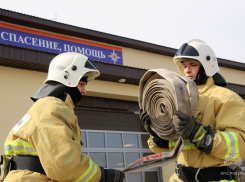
23 70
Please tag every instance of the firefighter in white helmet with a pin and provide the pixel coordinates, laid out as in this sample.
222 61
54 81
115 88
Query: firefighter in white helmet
45 145
215 134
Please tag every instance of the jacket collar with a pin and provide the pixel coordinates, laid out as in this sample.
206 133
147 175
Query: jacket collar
69 103
203 88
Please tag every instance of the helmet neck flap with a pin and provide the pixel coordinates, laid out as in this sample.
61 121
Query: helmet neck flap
58 90
51 88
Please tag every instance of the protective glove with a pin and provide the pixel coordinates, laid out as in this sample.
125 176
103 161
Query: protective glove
155 139
111 175
189 129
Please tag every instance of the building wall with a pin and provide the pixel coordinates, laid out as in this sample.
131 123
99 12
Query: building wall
233 76
18 85
146 60
16 88
112 90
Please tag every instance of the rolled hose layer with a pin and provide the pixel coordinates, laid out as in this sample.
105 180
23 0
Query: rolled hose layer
159 101
161 93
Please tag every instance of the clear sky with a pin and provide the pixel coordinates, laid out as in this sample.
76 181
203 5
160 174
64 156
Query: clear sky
170 23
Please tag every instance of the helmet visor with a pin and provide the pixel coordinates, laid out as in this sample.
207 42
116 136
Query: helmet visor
90 64
91 75
187 50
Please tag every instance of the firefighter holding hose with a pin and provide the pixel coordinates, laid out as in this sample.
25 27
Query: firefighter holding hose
215 134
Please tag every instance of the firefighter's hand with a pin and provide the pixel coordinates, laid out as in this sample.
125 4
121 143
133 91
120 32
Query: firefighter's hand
155 139
159 142
184 125
111 175
146 122
188 128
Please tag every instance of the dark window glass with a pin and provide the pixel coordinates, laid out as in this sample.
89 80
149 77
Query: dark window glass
144 139
84 139
146 154
151 176
130 140
243 163
114 140
99 158
130 157
96 140
134 177
115 160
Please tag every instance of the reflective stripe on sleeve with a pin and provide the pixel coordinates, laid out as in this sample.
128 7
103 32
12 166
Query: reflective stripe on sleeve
89 173
171 144
188 145
232 146
19 148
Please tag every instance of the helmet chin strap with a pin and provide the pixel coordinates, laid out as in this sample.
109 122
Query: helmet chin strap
201 77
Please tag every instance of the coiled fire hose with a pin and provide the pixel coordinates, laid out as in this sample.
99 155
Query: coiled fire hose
161 93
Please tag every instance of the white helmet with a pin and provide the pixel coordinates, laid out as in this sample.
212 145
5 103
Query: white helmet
68 68
198 50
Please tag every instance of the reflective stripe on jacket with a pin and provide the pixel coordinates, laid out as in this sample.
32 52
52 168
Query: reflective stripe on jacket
18 148
52 133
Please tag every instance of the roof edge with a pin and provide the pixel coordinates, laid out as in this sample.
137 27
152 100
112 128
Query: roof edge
52 26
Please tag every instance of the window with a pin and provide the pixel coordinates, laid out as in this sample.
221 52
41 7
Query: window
117 150
99 157
131 140
243 165
114 140
96 140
